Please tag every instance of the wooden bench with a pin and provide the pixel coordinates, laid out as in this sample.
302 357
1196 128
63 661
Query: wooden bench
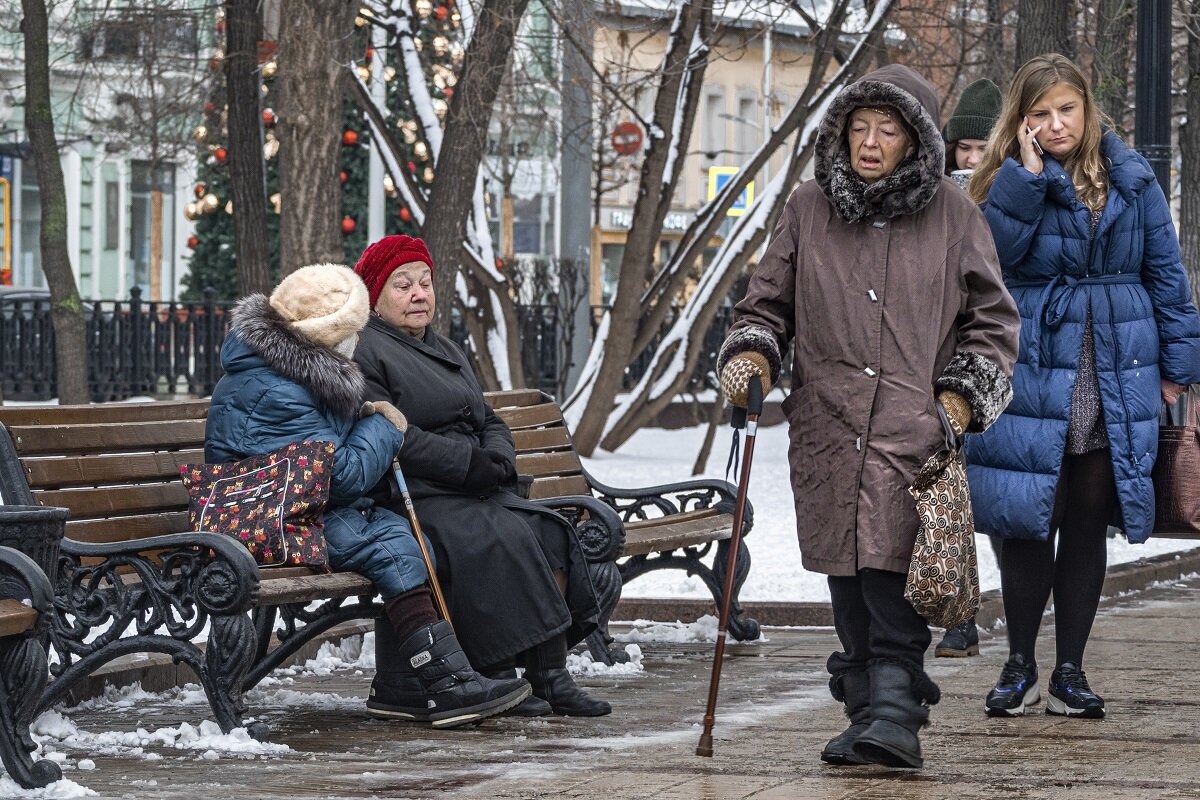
626 532
26 599
129 563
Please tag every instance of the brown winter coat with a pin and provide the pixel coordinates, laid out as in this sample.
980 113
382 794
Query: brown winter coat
891 295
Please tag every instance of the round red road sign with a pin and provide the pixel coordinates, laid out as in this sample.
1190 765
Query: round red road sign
627 138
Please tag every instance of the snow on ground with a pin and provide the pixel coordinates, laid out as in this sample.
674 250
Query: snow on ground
655 455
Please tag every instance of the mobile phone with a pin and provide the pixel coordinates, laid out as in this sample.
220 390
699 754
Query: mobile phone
1036 146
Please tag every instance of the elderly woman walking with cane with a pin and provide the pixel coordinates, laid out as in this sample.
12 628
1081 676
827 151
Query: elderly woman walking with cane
886 279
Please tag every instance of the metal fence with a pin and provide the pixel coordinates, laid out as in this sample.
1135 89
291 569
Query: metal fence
165 350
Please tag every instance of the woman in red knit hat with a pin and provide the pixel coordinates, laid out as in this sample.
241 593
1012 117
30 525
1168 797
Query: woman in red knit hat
515 578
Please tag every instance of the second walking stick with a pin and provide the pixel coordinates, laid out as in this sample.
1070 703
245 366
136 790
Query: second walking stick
753 410
439 601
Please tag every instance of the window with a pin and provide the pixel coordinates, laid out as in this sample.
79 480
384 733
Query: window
133 33
714 124
112 215
746 127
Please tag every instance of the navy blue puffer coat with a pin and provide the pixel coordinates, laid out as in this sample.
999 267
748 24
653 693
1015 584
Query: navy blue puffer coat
1145 326
281 388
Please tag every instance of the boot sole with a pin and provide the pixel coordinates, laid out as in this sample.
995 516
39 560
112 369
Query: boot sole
873 752
395 712
948 652
842 759
1060 709
1020 710
477 713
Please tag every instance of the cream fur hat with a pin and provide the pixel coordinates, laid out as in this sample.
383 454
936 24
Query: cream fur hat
326 303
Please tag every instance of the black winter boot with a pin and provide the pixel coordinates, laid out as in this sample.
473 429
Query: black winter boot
547 674
854 690
899 707
959 642
446 691
532 706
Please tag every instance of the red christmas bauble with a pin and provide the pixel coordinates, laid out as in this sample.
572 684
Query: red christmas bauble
199 190
220 26
193 242
343 176
448 92
348 225
441 13
268 117
405 215
210 107
221 154
412 167
370 54
350 138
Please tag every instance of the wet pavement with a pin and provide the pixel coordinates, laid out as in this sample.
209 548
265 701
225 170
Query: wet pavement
775 714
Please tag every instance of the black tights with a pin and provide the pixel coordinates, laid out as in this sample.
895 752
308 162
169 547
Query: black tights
1029 570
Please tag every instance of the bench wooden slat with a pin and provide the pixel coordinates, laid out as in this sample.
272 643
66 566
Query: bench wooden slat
686 516
530 416
16 617
564 462
108 437
120 529
557 487
513 397
274 591
104 412
108 469
539 439
669 535
110 501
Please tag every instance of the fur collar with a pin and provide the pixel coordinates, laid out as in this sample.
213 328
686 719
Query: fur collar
334 381
913 184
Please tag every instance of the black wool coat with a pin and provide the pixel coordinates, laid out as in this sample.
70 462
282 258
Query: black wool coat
496 552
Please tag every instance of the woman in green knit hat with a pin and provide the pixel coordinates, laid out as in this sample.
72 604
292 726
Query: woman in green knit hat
968 128
966 134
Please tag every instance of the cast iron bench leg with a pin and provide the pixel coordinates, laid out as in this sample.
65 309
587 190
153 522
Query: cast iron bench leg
606 578
23 675
741 628
230 652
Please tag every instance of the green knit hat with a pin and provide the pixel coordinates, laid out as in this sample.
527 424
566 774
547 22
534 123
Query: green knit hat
976 112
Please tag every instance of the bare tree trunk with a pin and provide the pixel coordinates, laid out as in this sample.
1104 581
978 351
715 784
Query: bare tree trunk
1189 145
462 150
315 39
66 312
995 65
682 74
1045 26
715 410
1110 66
247 174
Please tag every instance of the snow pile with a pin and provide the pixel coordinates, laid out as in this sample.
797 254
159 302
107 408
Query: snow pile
702 630
58 790
583 664
351 653
207 738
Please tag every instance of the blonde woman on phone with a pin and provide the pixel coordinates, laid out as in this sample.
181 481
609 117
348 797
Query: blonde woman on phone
1108 333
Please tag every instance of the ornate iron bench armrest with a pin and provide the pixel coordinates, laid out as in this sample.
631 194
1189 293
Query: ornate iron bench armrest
667 498
23 671
601 534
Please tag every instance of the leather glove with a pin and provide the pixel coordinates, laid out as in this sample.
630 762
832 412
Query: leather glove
484 472
957 409
385 410
739 371
509 467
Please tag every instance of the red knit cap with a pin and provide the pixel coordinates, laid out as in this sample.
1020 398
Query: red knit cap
381 259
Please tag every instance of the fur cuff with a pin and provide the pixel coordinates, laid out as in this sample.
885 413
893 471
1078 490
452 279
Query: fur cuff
982 382
755 339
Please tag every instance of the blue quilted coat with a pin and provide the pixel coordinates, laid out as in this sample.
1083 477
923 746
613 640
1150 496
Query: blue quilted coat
280 388
1144 322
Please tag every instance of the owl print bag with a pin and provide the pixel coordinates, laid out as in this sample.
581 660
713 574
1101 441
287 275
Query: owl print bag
272 503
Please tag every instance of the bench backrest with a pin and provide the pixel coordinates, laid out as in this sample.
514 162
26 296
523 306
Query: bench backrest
116 466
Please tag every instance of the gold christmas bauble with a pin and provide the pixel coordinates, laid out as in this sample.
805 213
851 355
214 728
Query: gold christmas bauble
451 80
209 203
455 19
424 8
200 134
229 207
439 80
440 45
270 147
422 151
364 73
428 174
439 107
389 73
269 69
276 201
389 186
418 45
409 137
191 212
456 52
265 89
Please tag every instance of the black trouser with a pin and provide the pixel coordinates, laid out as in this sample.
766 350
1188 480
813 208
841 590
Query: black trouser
874 621
1030 570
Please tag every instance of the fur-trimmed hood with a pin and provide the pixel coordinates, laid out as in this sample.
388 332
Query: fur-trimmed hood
259 336
916 179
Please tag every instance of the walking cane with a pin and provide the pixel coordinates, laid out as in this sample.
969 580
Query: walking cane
438 600
752 411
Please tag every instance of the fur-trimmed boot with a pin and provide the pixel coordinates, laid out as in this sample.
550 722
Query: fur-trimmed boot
427 678
900 701
853 689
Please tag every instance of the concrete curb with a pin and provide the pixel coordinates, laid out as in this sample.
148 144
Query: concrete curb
1120 579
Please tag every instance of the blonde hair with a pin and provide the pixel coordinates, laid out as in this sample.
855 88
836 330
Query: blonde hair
1085 165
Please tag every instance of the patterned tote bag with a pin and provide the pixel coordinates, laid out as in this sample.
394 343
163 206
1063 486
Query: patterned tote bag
273 503
943 576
